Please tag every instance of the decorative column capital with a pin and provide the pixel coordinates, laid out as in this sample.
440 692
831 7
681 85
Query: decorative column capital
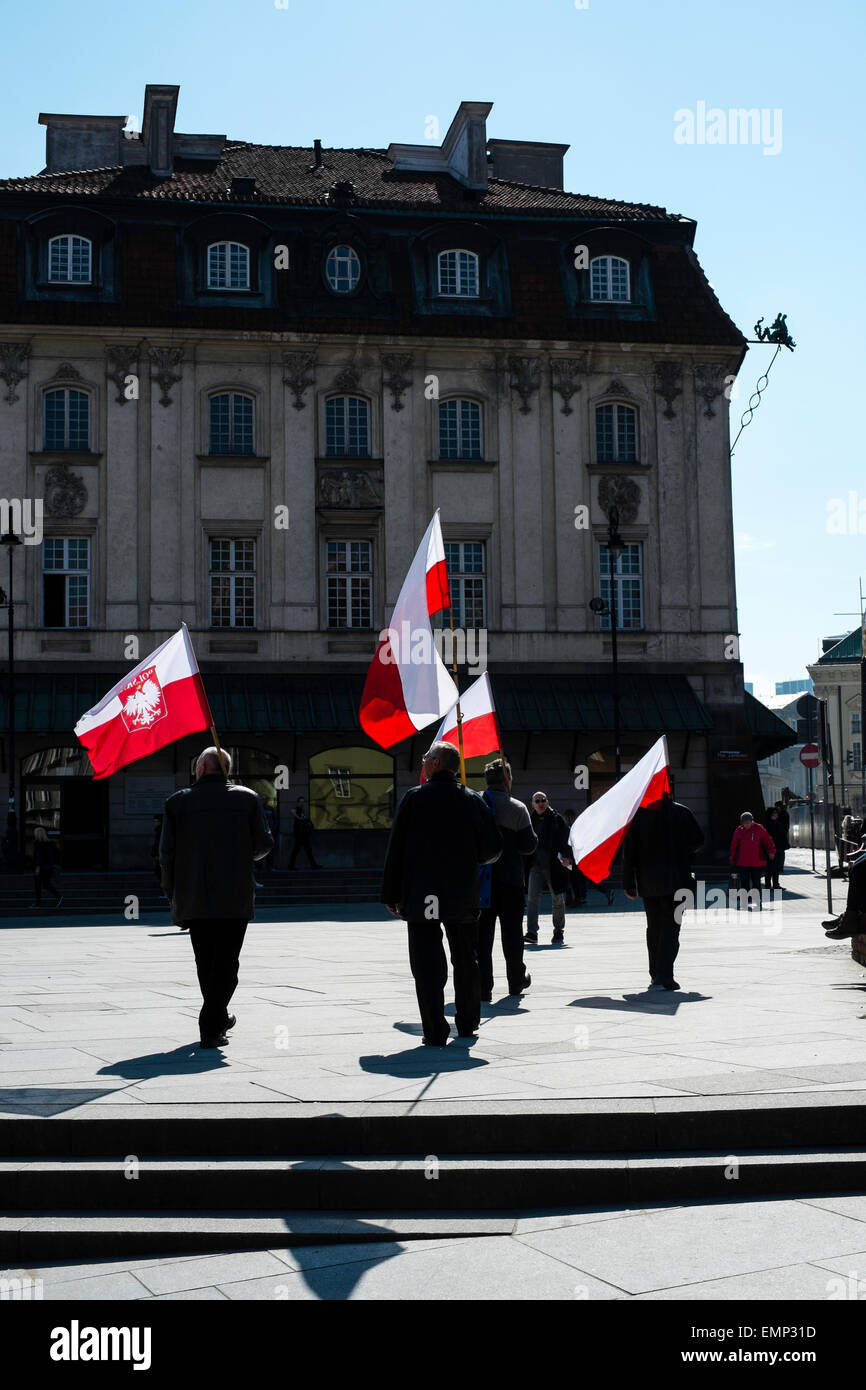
563 374
13 359
398 366
164 361
668 376
120 359
524 378
300 372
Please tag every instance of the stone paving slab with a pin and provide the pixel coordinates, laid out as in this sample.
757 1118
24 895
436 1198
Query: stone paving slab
97 1012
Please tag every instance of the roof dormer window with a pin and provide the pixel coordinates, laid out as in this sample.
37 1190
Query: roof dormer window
70 260
458 274
228 266
609 280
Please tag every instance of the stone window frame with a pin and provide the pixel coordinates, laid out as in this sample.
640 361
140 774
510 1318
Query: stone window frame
374 423
260 423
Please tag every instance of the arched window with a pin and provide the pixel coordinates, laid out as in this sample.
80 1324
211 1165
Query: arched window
615 434
458 274
347 427
70 260
228 266
351 789
609 279
459 430
66 420
232 424
342 269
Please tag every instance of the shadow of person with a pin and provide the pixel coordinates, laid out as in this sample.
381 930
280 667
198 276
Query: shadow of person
644 1002
189 1058
422 1061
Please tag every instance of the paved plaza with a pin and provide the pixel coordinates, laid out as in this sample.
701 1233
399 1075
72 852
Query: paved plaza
96 1014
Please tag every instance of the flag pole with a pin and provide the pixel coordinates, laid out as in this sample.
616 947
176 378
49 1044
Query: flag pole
459 711
216 739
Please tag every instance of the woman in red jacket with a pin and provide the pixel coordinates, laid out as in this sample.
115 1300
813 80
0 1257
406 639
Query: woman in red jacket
752 848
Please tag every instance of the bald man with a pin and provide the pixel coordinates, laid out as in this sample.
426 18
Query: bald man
212 834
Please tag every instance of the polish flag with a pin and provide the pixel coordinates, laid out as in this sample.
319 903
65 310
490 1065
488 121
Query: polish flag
407 685
159 702
599 831
480 728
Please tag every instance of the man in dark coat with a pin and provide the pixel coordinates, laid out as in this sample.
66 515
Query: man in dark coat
211 836
302 835
852 922
503 883
546 869
442 833
657 863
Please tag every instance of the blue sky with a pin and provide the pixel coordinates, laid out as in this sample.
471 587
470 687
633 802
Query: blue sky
775 231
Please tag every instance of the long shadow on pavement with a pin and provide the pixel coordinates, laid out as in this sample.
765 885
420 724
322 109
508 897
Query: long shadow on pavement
188 1058
641 1003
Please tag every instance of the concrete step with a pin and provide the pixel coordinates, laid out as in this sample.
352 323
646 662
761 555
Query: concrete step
767 1122
32 1238
458 1182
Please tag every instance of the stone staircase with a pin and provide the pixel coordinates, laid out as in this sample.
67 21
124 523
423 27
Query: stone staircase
204 1178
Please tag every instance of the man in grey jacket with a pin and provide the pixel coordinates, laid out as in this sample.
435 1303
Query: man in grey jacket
502 883
212 834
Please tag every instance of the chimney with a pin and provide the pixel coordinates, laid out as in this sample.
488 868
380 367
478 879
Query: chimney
157 132
527 161
462 154
82 142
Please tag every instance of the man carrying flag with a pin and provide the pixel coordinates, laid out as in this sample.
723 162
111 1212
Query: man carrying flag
407 685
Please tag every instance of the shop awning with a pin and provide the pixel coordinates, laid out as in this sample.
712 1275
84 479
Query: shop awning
770 734
307 704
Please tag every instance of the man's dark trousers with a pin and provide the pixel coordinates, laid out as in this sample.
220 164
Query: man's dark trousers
430 972
506 903
217 945
662 937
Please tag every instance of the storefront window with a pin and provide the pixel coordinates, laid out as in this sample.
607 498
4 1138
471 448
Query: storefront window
351 789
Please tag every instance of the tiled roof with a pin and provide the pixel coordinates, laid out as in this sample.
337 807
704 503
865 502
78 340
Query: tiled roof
284 174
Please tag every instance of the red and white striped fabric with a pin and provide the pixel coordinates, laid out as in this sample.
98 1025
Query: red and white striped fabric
480 728
407 685
599 831
159 702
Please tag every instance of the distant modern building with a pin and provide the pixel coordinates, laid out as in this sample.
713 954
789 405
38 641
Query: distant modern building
242 378
794 687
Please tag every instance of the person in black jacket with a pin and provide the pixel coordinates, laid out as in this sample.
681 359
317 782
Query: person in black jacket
211 835
44 867
502 883
442 833
302 835
777 830
549 867
657 863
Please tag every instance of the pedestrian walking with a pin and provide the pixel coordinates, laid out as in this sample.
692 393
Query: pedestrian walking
752 848
45 867
302 835
503 884
775 828
442 834
658 850
549 868
212 834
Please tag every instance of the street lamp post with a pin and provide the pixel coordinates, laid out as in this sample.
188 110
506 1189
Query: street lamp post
615 545
12 842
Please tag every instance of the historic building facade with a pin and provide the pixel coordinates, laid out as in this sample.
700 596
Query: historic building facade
241 378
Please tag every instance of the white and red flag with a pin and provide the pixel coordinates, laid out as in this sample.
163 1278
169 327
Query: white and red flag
599 831
159 702
407 685
480 727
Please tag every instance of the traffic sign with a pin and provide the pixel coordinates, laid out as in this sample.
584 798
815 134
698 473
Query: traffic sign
810 755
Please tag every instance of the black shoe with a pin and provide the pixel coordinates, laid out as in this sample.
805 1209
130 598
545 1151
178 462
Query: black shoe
435 1042
669 984
471 1034
229 1023
558 938
219 1041
530 940
527 981
833 921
